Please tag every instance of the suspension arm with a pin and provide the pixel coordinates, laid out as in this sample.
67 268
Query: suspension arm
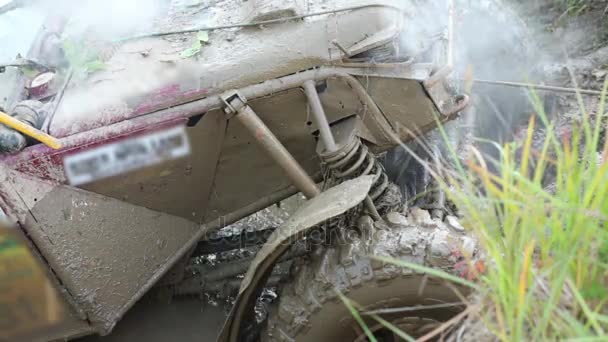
237 107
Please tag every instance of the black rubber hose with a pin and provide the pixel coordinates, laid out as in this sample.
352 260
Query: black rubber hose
29 112
11 141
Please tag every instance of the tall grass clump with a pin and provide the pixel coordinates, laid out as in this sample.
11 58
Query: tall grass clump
539 213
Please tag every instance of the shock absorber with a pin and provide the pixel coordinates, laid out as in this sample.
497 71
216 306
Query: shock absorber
346 156
354 159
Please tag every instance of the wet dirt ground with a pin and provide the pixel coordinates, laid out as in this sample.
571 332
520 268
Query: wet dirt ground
184 320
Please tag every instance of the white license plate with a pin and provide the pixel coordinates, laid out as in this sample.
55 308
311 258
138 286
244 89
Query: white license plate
126 155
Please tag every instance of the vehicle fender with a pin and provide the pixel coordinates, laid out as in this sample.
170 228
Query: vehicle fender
331 203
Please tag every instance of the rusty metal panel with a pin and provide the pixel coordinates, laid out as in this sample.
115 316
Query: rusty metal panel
107 253
19 192
180 187
286 115
404 103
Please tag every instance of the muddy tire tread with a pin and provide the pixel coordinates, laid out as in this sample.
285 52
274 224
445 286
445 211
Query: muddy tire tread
430 243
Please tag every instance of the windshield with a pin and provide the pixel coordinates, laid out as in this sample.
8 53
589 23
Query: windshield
77 27
18 29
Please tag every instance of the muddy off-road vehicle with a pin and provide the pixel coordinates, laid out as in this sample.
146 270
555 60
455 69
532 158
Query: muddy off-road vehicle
116 170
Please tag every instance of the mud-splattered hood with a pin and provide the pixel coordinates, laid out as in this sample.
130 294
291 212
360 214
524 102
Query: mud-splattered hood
143 75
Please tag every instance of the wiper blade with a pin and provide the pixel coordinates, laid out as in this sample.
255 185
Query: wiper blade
21 62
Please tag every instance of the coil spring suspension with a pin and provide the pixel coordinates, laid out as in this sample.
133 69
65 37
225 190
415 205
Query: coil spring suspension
353 160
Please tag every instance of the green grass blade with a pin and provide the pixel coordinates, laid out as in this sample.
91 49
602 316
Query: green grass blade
357 316
590 315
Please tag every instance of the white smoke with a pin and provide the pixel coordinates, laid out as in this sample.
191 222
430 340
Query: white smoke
18 29
106 19
488 36
491 42
84 24
109 19
425 24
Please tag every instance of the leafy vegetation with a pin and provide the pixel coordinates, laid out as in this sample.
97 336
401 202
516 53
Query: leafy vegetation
539 212
547 244
82 58
202 37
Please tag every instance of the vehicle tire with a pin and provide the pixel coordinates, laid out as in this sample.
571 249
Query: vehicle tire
310 309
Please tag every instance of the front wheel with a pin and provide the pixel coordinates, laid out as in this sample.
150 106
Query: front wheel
310 309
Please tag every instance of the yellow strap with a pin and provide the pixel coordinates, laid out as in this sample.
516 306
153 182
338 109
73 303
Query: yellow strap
29 131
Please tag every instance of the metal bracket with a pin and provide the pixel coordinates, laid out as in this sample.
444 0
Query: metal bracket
378 39
233 102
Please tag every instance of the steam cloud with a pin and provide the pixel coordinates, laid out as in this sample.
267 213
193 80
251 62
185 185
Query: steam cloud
107 19
490 39
491 43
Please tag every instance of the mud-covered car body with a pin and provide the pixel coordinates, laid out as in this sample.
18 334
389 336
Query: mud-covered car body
107 237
